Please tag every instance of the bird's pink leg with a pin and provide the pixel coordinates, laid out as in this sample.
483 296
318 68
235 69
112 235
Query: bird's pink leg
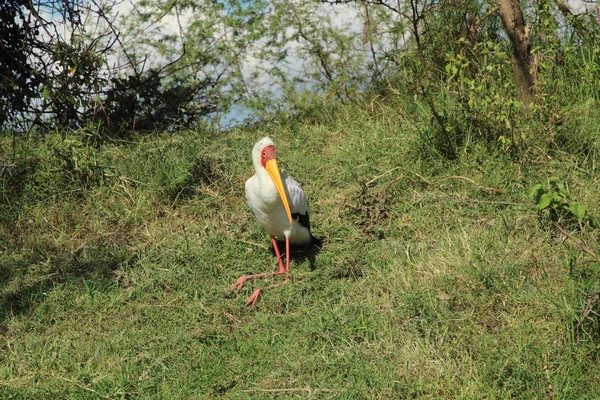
287 260
278 254
282 269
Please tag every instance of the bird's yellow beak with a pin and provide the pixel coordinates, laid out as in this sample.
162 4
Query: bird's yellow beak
273 171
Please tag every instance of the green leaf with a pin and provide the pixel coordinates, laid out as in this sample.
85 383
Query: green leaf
46 93
536 191
577 210
557 186
558 196
544 201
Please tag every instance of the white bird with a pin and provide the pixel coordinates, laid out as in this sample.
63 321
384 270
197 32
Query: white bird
280 206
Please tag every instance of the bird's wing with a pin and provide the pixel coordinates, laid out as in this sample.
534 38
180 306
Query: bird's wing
250 197
298 201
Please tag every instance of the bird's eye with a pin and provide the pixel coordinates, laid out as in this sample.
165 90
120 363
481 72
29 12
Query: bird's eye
264 153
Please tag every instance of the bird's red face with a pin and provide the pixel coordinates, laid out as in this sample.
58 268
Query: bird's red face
268 153
268 159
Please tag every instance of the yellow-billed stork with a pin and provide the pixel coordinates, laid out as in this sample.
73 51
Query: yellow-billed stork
280 206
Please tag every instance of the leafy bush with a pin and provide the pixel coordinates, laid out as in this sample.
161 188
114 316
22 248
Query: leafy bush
558 202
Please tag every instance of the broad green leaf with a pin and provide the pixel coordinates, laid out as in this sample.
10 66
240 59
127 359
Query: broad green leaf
558 196
536 191
577 210
545 201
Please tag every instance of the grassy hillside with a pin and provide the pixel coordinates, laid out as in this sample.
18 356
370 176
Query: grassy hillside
437 278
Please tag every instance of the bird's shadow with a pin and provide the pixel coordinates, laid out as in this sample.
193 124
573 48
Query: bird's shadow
302 252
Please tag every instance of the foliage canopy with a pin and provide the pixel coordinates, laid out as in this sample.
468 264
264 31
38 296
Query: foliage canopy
170 65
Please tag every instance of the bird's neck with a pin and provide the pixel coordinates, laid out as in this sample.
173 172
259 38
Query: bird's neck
267 187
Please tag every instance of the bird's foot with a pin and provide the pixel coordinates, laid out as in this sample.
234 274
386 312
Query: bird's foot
244 278
253 298
239 283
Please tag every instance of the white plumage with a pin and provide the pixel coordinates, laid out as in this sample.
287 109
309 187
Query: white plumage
280 206
267 205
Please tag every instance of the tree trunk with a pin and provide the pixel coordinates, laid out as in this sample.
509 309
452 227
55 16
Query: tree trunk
518 32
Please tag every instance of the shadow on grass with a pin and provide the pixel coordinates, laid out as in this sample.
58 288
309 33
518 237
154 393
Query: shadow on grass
24 286
6 274
301 253
298 253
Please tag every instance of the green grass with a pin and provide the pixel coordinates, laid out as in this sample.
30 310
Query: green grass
429 284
